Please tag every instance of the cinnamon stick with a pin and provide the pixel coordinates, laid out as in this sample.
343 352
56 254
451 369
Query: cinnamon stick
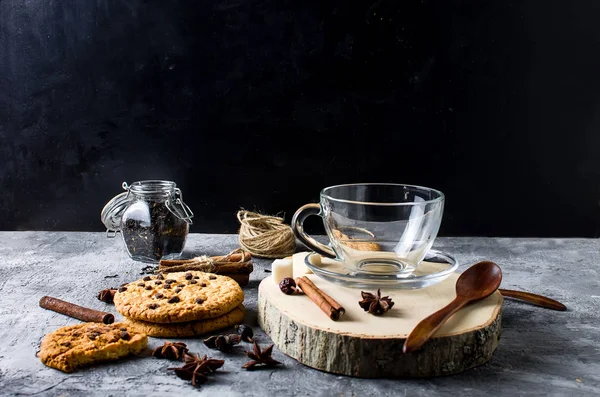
241 279
236 267
329 299
75 311
315 295
239 257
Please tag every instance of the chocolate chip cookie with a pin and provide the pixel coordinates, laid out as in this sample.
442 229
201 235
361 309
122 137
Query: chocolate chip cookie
75 346
189 329
178 297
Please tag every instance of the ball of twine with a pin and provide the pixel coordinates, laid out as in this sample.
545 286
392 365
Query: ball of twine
265 236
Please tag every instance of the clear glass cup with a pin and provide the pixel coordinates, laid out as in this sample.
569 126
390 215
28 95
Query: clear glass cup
378 228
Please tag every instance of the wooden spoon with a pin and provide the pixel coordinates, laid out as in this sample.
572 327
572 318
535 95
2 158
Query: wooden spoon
477 282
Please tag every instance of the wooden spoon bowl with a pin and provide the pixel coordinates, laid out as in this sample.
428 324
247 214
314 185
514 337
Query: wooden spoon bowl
479 281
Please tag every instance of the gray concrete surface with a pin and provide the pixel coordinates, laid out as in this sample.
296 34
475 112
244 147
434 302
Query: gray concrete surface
541 352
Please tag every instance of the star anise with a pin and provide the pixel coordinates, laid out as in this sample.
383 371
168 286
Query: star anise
172 351
196 368
260 357
375 304
107 295
225 343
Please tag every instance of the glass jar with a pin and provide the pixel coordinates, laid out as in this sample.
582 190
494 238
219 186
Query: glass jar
152 219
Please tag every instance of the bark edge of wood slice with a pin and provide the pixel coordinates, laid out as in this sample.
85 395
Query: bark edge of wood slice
334 349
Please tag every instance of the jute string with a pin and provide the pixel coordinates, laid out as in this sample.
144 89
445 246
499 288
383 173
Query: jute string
265 236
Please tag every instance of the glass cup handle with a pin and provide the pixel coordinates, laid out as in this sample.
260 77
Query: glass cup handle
298 228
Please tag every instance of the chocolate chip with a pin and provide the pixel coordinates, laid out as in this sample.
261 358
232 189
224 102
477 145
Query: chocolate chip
148 287
181 285
199 300
147 278
125 335
122 289
167 286
170 281
123 329
93 335
196 277
178 290
203 285
174 299
141 284
193 282
158 282
211 277
188 276
159 296
152 306
160 277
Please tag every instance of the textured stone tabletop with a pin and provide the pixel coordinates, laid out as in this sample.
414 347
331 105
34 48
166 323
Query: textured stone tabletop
541 352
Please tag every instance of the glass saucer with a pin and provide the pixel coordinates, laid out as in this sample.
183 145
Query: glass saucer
436 267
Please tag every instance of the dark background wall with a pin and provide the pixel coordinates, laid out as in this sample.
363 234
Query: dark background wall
261 103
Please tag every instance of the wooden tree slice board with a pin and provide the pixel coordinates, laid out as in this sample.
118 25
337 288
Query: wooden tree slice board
364 345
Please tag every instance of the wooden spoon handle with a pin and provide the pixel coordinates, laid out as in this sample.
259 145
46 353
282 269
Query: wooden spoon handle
427 327
538 300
